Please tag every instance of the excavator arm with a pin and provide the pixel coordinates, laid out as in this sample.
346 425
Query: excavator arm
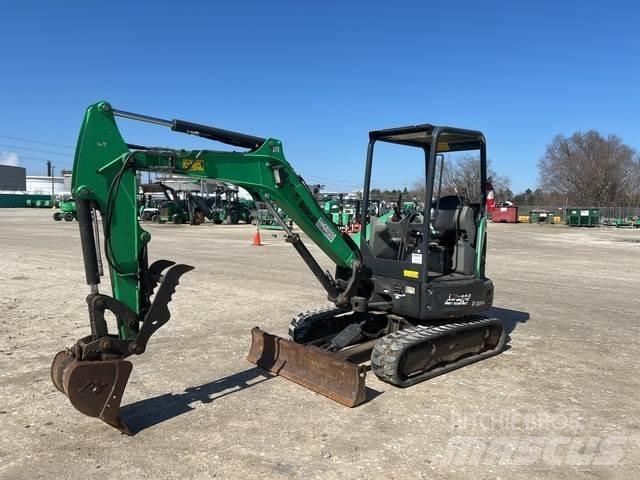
94 372
104 175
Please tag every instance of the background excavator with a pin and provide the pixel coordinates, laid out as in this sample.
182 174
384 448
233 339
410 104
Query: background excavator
188 208
171 208
408 292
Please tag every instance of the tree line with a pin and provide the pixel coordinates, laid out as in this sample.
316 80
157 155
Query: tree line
590 169
583 169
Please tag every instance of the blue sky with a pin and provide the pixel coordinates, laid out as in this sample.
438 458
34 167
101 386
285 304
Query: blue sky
320 75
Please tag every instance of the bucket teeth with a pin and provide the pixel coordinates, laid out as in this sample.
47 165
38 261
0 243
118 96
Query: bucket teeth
310 367
94 387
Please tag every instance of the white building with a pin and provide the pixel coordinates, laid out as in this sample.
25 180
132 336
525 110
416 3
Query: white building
43 185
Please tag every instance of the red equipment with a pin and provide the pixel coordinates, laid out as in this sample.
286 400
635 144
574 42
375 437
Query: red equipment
508 214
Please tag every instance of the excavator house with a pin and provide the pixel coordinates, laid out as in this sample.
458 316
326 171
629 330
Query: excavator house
408 291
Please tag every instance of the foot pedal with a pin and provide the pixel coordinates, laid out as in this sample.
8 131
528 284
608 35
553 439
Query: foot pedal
347 336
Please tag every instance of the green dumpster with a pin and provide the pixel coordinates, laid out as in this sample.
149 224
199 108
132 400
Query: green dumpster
540 216
582 217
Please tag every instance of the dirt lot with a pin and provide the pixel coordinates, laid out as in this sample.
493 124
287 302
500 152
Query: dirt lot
562 402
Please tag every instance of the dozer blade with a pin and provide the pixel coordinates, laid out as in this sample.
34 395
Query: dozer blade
95 388
310 367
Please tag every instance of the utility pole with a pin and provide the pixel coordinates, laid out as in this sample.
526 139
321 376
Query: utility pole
53 191
49 171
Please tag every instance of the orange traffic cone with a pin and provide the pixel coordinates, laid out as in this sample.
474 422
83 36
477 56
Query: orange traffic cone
256 238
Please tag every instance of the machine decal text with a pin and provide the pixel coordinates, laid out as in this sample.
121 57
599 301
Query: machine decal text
326 230
458 299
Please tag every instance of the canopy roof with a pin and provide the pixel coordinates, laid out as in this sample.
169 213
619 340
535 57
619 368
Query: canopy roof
450 139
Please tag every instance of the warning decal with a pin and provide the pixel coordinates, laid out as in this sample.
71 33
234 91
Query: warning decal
326 230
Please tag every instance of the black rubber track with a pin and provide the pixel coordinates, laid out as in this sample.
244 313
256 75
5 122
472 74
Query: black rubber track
388 352
315 324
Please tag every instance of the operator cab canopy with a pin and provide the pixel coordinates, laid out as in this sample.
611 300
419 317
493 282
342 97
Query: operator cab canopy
450 240
449 139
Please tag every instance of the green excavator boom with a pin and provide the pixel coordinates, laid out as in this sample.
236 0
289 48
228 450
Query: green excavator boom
105 171
105 187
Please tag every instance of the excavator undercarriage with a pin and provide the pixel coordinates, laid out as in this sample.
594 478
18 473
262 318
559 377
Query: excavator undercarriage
408 293
396 351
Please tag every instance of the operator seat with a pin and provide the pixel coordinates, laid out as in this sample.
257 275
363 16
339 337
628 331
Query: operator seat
385 238
446 220
466 223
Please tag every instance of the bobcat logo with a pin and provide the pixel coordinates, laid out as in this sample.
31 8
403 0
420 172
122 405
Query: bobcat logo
93 387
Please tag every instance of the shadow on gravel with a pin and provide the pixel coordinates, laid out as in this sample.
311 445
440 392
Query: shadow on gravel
151 411
146 413
510 318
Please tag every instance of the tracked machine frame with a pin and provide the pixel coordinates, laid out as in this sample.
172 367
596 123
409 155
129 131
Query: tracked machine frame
408 292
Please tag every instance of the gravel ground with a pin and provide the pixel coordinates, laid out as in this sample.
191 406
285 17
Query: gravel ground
561 402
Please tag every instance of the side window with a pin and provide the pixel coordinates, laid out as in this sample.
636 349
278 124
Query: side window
397 186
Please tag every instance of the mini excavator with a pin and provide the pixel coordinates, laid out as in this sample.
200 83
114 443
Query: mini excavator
408 294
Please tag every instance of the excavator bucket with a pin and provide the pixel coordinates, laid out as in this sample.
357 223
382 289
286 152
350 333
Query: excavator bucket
310 367
95 388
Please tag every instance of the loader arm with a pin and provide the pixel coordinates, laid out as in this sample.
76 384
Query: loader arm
104 181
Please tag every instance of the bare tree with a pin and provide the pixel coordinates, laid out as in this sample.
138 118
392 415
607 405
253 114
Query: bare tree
632 191
461 176
589 169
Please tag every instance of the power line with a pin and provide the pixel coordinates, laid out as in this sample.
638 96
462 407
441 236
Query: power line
326 178
331 180
352 186
331 185
35 150
22 139
61 161
357 186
